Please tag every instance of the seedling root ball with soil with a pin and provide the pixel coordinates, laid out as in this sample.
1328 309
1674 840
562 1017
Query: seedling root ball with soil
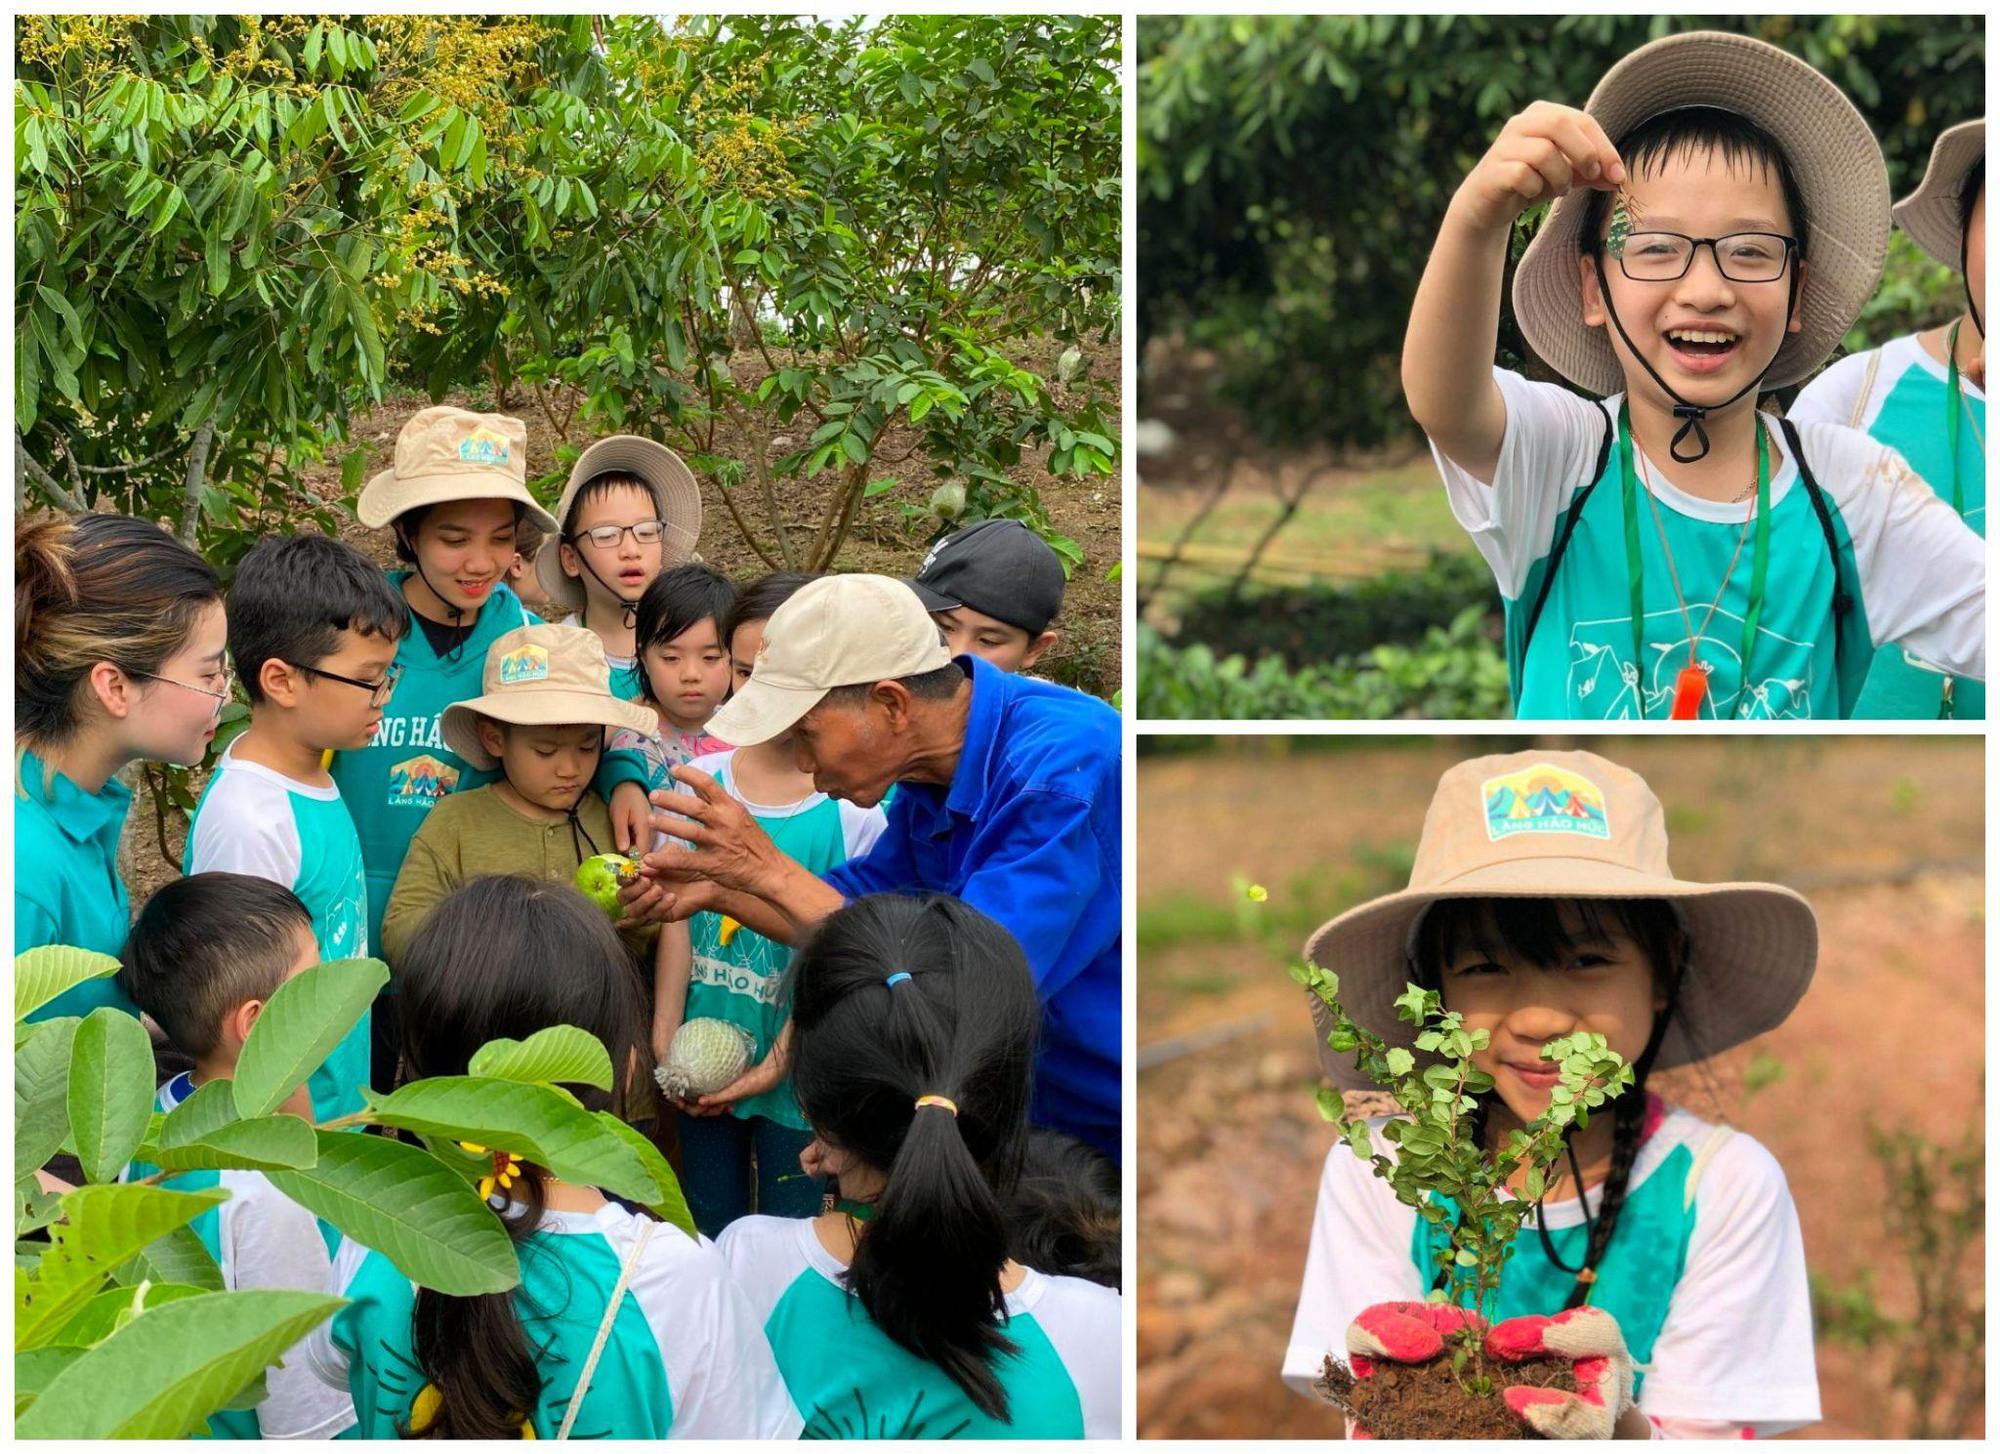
1455 1395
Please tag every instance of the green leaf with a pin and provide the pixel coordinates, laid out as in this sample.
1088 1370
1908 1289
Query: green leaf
34 1208
1401 1062
164 1373
41 1093
1535 1184
410 1207
559 1054
105 1225
669 1203
44 974
112 1309
259 1143
308 1017
110 1091
532 1121
36 1369
178 1257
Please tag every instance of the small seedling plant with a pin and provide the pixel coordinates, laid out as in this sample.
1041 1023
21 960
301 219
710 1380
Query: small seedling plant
1437 1156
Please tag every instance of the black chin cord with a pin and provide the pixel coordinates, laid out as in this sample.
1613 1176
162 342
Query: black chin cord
454 612
1690 415
1965 279
576 842
631 607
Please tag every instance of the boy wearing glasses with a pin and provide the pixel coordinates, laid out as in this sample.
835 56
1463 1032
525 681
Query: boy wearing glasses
313 631
631 509
1721 215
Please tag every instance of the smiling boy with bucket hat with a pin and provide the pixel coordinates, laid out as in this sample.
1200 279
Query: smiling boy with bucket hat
1924 396
1722 214
1541 904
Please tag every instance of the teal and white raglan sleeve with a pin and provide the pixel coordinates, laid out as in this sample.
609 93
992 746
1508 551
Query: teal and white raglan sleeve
1551 445
1084 1324
1834 397
1737 1344
724 1382
1922 569
860 827
273 1242
1359 1255
244 824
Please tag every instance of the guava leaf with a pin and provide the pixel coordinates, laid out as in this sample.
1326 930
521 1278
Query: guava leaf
105 1226
669 1203
110 1091
559 1053
51 971
302 1024
41 1093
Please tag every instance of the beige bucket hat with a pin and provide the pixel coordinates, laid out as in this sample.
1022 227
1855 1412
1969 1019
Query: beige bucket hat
837 631
541 676
1930 214
675 492
1570 825
445 454
1834 157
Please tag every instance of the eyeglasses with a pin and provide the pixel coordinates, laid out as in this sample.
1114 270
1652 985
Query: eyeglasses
1741 257
228 679
604 537
378 692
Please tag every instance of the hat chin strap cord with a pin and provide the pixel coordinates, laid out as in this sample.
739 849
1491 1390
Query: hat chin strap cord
1690 415
454 612
1965 280
631 608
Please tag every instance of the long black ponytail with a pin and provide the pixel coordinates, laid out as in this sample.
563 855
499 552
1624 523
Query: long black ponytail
957 1022
1546 932
502 957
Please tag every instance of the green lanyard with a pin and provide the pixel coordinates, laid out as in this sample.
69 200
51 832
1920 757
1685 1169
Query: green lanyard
1954 405
1635 566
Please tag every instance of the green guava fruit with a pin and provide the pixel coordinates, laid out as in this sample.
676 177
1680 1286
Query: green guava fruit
601 877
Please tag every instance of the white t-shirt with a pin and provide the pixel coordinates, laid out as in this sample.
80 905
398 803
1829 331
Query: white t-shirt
1737 1342
859 826
850 1379
693 1360
1922 573
1834 396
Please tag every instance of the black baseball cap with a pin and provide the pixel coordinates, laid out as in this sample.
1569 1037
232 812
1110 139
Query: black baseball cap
999 568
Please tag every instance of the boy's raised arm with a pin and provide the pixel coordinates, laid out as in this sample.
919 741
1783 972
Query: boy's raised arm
1544 152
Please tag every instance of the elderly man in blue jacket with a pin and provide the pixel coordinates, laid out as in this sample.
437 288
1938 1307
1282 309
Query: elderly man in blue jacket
1008 797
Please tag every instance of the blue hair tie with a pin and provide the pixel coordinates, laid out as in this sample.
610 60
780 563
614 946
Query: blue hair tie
897 978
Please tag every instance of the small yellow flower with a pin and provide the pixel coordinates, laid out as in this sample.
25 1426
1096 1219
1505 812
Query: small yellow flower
1257 893
506 1170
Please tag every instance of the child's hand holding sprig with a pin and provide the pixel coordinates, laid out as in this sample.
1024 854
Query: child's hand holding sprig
1541 154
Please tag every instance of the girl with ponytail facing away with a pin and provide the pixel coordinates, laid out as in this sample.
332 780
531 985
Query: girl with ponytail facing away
1663 1259
897 1313
504 957
119 656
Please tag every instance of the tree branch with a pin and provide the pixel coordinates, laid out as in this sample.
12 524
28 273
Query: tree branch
197 477
25 462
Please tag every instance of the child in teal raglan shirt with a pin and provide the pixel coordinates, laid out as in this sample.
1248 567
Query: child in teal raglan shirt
622 1327
914 1020
1671 552
1663 1261
205 957
730 973
453 498
313 629
1924 396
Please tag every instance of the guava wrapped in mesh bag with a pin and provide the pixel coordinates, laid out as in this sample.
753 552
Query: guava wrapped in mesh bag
705 1056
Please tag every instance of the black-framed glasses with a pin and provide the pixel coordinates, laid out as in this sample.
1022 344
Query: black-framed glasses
378 692
228 679
1741 257
604 537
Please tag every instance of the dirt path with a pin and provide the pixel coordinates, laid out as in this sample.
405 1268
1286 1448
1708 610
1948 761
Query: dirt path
1230 1145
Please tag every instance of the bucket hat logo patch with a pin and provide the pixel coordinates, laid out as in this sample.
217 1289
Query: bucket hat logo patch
526 664
483 446
1543 799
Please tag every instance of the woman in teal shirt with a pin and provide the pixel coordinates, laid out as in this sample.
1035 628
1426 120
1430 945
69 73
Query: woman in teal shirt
119 656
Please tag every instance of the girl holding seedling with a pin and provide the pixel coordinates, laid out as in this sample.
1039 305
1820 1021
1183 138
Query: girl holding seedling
621 1326
1659 1257
897 1312
119 645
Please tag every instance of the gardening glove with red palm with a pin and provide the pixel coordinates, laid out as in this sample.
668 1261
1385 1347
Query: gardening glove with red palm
1590 1339
1402 1333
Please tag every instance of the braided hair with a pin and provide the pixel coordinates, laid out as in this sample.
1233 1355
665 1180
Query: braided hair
1544 932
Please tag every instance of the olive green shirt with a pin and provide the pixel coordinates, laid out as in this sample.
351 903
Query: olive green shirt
474 832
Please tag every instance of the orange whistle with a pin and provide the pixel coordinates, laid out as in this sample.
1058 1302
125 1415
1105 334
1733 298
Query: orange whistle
1690 686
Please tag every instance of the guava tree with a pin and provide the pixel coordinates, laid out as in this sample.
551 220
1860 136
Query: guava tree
122 1326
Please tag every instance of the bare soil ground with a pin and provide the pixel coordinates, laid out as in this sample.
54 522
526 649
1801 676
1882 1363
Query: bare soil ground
1884 836
882 539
